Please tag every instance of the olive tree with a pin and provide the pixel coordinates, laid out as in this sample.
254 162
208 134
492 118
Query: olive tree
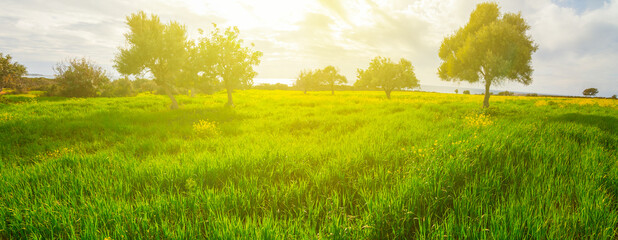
222 57
383 73
330 77
590 92
154 47
492 48
307 80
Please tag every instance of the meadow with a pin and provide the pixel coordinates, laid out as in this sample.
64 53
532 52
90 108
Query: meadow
288 165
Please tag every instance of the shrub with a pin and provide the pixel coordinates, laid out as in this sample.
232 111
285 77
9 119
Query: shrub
141 85
80 78
121 87
466 92
268 86
506 93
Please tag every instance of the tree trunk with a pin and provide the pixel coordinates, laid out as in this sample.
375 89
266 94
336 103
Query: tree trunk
230 102
486 100
305 91
174 103
388 94
192 92
332 89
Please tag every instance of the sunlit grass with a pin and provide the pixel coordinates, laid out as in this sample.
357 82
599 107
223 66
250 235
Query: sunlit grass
284 164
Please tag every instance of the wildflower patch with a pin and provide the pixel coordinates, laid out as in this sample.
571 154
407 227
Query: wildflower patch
478 120
5 117
204 128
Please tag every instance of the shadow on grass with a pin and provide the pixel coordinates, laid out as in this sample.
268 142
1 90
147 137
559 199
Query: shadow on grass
605 123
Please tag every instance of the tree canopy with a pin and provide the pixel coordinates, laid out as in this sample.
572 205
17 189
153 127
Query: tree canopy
330 77
491 48
312 79
10 72
154 47
199 74
222 56
383 73
590 92
307 80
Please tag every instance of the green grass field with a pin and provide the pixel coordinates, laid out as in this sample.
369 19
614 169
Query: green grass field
285 165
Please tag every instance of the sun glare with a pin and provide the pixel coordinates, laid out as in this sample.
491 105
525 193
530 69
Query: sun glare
271 14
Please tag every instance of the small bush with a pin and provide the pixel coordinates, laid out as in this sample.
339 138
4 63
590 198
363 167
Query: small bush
506 93
121 87
276 86
466 92
80 78
141 85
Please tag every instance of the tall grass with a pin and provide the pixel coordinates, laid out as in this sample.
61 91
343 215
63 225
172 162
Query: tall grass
285 165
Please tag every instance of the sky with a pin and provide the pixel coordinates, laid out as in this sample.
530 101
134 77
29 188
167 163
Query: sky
578 39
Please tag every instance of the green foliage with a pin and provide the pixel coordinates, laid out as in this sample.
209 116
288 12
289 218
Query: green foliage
27 84
268 86
153 47
383 73
307 80
164 51
122 87
80 78
10 72
466 92
491 48
284 165
222 56
506 93
198 73
313 79
590 92
330 77
141 85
